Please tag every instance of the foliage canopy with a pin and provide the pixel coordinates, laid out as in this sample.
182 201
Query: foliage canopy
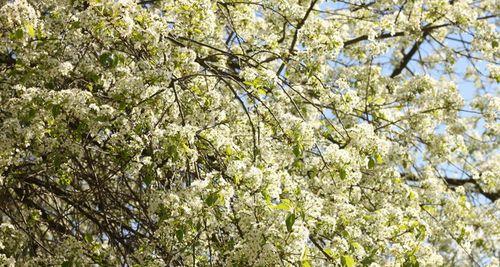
249 133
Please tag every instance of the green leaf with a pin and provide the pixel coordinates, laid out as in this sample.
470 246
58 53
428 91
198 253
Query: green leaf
356 245
421 232
56 110
370 258
460 238
290 220
298 164
343 174
304 262
30 30
29 116
348 261
64 179
229 151
18 34
88 238
313 172
148 179
379 159
261 92
179 234
267 197
256 83
212 198
494 44
172 152
371 163
163 213
108 60
411 261
297 150
285 205
92 76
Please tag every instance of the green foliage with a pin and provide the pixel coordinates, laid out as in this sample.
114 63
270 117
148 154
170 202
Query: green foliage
234 133
347 261
289 221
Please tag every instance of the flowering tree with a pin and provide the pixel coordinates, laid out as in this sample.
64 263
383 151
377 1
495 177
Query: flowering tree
249 133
